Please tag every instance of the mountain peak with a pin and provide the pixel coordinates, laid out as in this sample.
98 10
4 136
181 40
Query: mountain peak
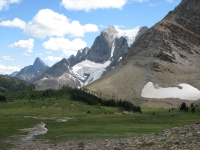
110 29
38 61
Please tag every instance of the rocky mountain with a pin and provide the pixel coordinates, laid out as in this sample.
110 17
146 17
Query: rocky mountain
90 64
163 65
56 70
10 84
31 71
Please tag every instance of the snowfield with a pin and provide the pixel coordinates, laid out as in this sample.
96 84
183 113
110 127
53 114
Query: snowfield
183 91
129 35
92 69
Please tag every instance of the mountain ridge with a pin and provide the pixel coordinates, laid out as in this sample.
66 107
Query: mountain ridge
29 72
166 55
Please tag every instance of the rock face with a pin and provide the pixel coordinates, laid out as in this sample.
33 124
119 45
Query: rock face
101 49
56 70
167 54
29 72
90 64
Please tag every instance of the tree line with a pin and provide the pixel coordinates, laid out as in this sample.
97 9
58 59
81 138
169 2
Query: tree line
80 95
75 94
186 108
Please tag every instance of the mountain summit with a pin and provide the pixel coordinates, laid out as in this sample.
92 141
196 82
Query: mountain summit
31 71
165 56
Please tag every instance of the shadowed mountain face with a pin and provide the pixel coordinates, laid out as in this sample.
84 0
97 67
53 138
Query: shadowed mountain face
167 54
56 70
29 72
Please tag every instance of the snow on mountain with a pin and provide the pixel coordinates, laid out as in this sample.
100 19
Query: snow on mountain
89 71
183 91
129 35
112 50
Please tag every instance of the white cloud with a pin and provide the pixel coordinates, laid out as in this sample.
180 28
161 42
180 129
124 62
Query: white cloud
141 1
23 44
67 47
14 23
8 69
49 23
4 4
27 52
87 5
53 59
7 58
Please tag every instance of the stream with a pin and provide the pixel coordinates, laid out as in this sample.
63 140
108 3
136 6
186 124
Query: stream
38 129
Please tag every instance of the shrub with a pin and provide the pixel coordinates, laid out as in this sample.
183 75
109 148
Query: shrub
2 98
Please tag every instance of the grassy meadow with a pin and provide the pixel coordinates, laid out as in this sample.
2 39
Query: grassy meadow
72 114
86 121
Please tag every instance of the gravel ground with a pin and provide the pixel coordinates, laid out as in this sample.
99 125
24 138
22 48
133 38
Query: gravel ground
179 138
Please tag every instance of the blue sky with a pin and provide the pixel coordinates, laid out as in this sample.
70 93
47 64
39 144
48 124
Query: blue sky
55 29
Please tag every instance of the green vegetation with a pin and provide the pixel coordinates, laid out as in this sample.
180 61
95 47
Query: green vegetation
81 121
75 94
2 98
185 108
10 84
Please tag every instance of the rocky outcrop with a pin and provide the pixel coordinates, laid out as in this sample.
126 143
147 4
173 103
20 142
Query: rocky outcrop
167 54
120 49
82 53
101 49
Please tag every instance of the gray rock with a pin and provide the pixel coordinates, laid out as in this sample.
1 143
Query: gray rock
29 72
54 71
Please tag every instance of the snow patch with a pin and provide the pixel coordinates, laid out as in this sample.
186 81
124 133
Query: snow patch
112 50
129 35
89 71
183 91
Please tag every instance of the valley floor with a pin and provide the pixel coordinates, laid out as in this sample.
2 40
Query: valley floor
178 138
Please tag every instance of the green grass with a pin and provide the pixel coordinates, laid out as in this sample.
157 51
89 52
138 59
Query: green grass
100 123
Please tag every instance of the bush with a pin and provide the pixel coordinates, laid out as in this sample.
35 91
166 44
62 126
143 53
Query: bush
2 98
184 107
